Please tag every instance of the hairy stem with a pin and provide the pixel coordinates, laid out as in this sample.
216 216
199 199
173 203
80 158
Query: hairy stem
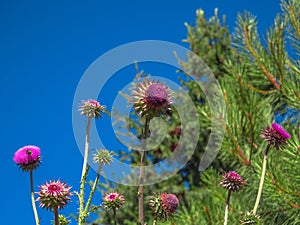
87 206
262 178
227 208
36 217
142 174
84 173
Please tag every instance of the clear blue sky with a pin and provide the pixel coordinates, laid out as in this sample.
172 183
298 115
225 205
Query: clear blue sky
45 47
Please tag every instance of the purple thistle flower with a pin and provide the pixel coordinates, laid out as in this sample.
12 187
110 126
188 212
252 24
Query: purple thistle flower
91 108
170 203
54 195
28 157
232 181
113 200
152 98
275 135
163 205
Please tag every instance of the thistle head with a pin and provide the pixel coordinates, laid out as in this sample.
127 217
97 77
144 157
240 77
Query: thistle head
113 200
275 135
28 157
163 205
152 99
54 195
232 181
91 108
103 157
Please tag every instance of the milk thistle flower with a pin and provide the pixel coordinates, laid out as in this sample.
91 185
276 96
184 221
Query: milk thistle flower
113 201
152 99
54 195
163 206
91 108
276 137
28 157
233 182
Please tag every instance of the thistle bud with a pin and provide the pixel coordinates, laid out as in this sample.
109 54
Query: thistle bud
91 109
250 219
103 157
163 205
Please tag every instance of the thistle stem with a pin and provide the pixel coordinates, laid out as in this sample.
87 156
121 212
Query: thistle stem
56 216
84 173
142 173
155 221
87 206
227 208
115 216
36 217
262 178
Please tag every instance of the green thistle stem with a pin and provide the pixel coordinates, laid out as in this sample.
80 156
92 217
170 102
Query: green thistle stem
36 217
142 173
87 206
262 178
227 208
85 170
56 220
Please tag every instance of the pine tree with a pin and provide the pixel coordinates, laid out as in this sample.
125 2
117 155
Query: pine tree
260 80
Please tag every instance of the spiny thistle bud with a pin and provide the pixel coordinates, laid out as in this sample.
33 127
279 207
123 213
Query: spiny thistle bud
28 157
113 200
152 99
103 157
250 219
232 181
54 195
91 108
163 205
275 135
62 220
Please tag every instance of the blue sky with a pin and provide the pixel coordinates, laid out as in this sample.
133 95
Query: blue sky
45 48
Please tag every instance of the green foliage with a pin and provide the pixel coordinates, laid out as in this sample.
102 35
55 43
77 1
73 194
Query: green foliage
259 80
